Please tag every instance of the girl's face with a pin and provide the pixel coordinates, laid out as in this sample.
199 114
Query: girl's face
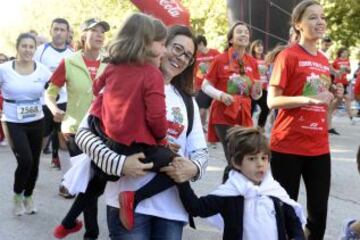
344 54
26 49
312 26
95 37
259 49
241 36
254 167
179 55
157 49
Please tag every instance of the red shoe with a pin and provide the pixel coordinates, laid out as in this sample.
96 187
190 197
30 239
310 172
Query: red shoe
60 231
126 213
55 163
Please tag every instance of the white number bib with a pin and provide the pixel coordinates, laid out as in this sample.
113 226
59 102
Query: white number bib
27 109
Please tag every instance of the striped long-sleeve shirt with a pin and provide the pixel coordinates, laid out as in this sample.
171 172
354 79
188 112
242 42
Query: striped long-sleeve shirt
112 163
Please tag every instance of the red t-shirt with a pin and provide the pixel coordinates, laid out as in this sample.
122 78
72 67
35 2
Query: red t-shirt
341 64
302 130
219 75
59 75
263 68
132 104
357 87
203 61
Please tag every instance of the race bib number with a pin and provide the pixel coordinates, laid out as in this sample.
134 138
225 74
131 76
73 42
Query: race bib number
28 109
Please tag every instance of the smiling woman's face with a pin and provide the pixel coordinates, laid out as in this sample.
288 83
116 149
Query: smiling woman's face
179 54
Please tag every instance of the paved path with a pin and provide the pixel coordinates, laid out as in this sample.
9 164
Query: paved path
344 199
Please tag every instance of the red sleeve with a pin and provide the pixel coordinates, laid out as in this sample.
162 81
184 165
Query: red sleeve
213 73
99 83
357 86
154 98
58 77
256 73
336 64
280 73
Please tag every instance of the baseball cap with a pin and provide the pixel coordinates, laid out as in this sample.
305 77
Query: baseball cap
92 22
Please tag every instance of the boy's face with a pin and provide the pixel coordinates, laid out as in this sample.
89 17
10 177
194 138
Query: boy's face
254 167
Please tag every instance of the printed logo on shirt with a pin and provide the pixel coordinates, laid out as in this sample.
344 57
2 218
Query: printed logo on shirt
316 84
175 127
239 84
314 65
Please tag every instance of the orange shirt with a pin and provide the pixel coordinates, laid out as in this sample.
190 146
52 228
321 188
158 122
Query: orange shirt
302 130
221 69
203 61
341 64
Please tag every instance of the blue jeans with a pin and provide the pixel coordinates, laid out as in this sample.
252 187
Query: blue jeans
146 227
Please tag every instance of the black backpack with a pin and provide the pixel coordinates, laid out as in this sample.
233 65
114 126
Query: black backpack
189 110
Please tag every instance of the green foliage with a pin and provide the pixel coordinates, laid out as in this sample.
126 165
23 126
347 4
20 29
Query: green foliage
208 17
343 18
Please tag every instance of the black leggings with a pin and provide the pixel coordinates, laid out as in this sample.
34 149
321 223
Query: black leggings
262 102
221 130
25 140
288 169
52 129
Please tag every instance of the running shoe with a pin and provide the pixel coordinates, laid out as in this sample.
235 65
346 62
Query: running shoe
60 231
55 163
29 205
333 131
126 213
65 193
18 205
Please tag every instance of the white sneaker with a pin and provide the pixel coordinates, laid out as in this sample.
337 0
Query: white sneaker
29 205
3 143
18 206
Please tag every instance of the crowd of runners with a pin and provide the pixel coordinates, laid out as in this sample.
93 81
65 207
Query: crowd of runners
137 116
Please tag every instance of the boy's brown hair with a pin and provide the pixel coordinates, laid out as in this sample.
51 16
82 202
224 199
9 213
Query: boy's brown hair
243 141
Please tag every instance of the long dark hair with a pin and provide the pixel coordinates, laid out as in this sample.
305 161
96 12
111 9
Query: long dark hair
230 33
184 81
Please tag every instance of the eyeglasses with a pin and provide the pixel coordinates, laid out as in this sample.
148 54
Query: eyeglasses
179 50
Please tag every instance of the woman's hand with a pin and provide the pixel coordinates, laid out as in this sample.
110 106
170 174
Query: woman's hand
181 169
322 98
133 167
227 99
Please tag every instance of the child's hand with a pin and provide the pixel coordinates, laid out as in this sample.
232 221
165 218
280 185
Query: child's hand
174 147
133 167
181 170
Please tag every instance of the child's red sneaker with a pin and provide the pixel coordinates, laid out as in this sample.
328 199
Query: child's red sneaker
126 214
60 231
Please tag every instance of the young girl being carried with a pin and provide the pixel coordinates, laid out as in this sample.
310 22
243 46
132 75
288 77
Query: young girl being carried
250 204
129 112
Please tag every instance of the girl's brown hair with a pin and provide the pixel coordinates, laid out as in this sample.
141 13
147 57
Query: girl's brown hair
131 44
243 141
255 44
184 81
230 33
299 11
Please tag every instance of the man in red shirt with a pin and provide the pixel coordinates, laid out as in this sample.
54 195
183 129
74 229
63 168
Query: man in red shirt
204 58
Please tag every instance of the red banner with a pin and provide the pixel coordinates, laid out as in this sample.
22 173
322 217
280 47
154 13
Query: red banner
171 12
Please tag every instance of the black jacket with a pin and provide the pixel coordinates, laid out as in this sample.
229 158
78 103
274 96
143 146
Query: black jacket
230 208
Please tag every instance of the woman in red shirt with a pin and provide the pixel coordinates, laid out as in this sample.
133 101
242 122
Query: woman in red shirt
257 51
341 67
229 82
299 88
